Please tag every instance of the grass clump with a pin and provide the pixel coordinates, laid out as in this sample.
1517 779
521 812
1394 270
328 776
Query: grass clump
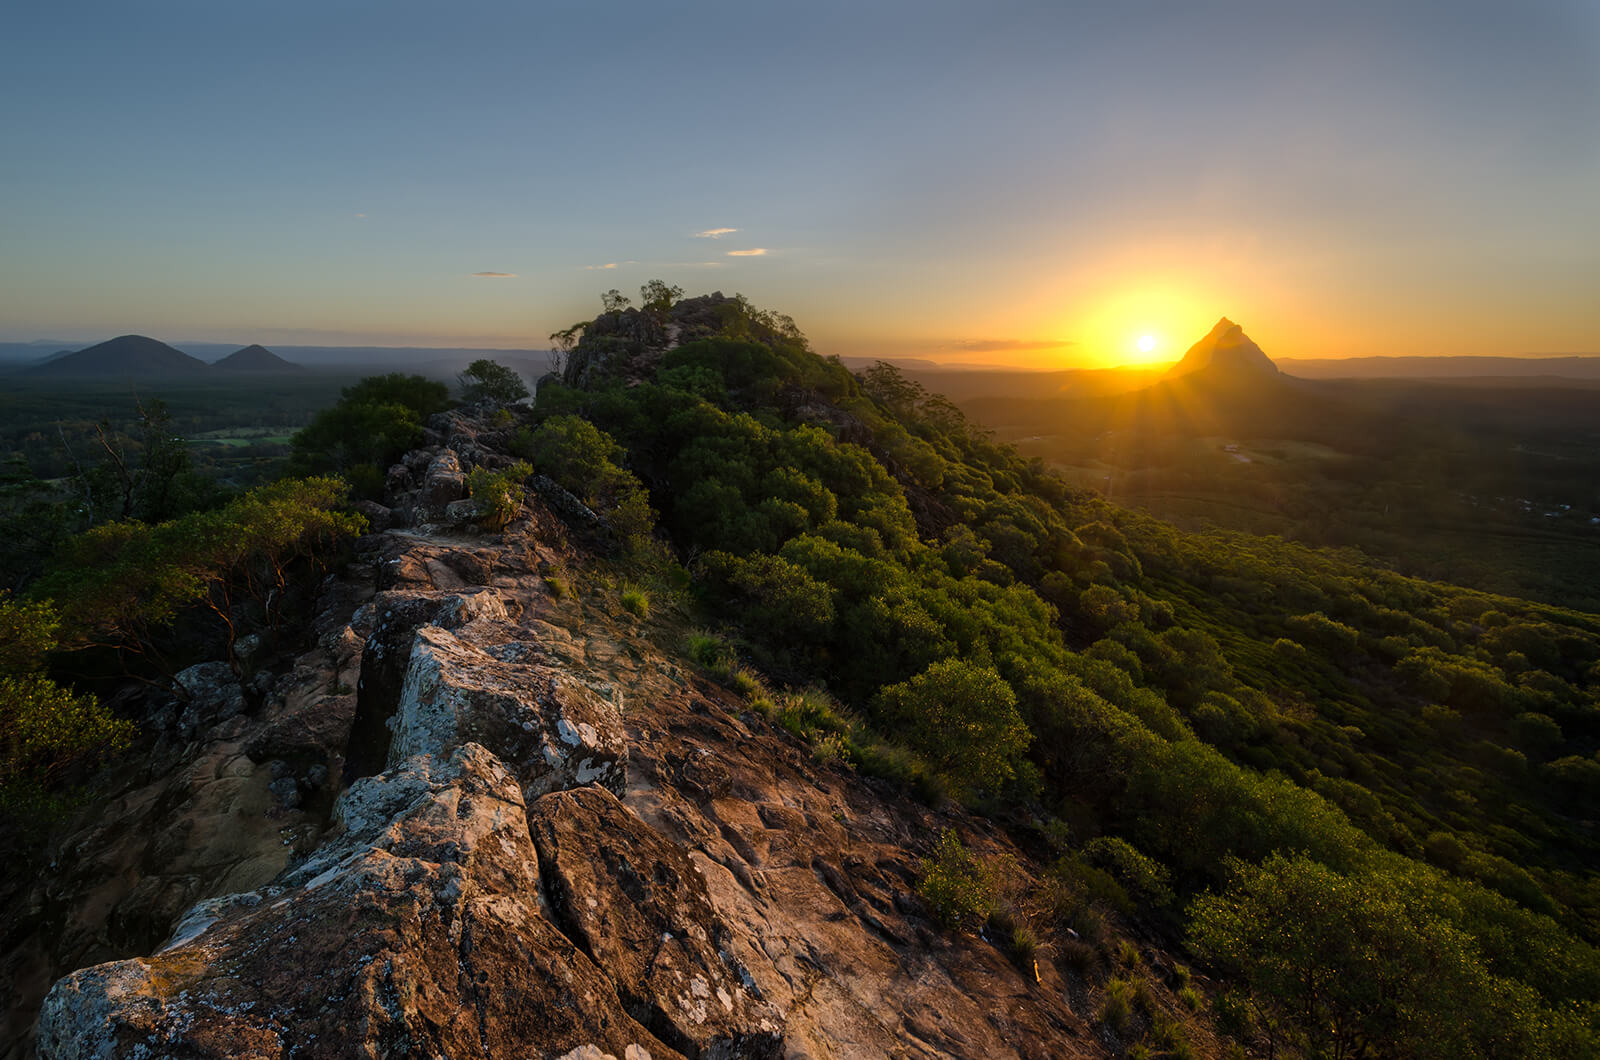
1012 932
1117 1007
636 601
557 586
710 651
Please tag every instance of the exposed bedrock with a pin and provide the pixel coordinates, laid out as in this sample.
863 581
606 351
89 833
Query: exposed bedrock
415 931
553 732
636 904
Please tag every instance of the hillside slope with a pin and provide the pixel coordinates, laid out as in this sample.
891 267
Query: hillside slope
1363 804
124 357
538 797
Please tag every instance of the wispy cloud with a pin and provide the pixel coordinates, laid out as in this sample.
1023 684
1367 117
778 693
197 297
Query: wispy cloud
607 265
714 233
496 275
362 216
1000 345
753 252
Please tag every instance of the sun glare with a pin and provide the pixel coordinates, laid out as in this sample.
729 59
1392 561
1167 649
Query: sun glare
1140 325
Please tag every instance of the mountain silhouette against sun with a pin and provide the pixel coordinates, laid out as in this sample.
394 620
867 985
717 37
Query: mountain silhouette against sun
1227 349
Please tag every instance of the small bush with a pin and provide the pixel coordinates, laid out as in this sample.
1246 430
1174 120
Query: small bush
636 601
809 713
1232 1013
1127 954
1136 872
955 884
499 493
556 585
1190 998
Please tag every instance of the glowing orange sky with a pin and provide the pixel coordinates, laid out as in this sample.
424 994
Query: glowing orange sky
1032 183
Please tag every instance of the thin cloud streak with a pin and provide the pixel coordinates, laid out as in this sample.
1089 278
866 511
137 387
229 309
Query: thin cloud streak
714 233
753 252
999 345
495 275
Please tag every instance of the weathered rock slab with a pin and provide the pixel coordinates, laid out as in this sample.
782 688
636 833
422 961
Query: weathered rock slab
551 730
637 905
411 934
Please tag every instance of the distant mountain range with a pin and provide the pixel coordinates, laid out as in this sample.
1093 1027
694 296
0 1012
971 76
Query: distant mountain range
141 357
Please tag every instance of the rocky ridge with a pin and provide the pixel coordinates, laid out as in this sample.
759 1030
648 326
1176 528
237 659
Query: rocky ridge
483 818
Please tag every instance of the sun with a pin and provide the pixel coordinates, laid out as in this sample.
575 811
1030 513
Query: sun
1146 343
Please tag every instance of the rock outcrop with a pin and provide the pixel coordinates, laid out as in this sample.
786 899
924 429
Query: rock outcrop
543 836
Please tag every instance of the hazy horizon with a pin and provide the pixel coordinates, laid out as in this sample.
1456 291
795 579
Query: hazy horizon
1020 184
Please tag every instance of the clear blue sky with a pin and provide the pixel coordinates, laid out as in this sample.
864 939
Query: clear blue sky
1015 181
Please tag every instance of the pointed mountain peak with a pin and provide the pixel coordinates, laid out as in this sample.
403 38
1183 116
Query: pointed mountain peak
1226 348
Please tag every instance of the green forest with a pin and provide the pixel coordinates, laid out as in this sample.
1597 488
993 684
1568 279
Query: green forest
1365 800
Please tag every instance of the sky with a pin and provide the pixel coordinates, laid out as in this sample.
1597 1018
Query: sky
1040 184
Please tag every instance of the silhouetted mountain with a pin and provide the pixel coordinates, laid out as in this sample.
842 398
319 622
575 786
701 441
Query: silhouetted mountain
256 358
1226 348
1224 386
135 356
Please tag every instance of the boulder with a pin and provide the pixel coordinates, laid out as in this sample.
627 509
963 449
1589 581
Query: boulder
444 482
211 693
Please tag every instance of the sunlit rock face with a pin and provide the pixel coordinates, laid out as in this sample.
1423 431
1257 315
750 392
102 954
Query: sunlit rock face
415 931
1226 348
524 828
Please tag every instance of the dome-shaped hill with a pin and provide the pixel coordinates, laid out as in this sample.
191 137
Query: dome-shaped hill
255 358
126 356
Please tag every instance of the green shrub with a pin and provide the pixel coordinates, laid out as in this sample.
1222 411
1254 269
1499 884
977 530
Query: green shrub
486 380
636 601
557 586
963 718
498 493
955 884
44 728
1144 876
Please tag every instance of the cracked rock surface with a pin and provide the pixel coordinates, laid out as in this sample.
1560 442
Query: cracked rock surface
523 829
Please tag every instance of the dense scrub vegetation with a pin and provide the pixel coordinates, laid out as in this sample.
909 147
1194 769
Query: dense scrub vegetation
1365 798
1487 486
1216 723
